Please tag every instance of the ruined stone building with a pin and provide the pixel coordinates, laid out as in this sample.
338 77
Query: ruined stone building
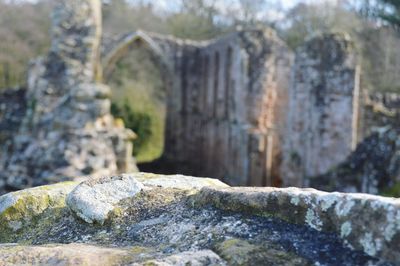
224 102
60 127
243 108
323 108
230 99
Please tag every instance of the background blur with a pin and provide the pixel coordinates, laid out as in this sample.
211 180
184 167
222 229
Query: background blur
138 94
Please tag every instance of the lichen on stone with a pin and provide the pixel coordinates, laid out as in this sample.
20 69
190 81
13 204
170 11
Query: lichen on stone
345 229
160 224
22 210
313 220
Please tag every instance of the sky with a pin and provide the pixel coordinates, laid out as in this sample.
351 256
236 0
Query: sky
286 4
173 4
272 13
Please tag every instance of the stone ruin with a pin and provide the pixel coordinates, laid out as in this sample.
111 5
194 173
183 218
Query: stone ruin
323 108
147 219
62 128
225 102
232 95
242 108
246 110
374 166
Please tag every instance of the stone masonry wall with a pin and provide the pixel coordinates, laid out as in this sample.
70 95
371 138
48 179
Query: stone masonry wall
230 111
225 104
323 108
67 130
379 110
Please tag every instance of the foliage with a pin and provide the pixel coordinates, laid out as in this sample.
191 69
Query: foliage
390 12
378 46
393 191
140 86
304 21
24 34
139 122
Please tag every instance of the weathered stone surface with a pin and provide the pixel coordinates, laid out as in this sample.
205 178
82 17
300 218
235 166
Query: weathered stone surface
197 258
19 210
226 102
66 130
177 181
12 110
364 222
240 252
379 110
323 108
72 254
80 254
372 168
94 199
164 225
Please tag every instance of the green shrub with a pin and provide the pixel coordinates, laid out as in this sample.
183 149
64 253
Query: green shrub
393 191
139 122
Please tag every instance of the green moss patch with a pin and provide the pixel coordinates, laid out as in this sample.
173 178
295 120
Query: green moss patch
33 208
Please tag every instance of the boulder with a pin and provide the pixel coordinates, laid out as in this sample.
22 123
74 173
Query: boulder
94 199
29 212
364 222
163 220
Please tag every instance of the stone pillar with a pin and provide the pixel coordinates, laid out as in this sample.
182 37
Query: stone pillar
323 108
63 83
68 131
76 37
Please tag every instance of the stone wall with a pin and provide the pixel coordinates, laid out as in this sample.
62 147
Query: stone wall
226 102
67 130
374 166
323 108
379 110
12 110
231 112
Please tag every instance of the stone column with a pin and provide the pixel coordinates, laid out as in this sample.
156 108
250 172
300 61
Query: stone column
68 131
76 36
323 108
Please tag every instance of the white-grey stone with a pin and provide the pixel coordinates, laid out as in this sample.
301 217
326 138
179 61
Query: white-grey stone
194 258
93 200
178 181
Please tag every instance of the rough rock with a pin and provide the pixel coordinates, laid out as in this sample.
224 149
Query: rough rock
94 199
79 254
163 225
241 252
374 167
178 181
379 110
19 210
12 111
72 254
197 258
364 222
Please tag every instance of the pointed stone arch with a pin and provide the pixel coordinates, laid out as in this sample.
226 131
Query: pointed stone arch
123 45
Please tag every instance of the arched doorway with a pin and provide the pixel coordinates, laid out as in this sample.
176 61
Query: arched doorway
138 72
